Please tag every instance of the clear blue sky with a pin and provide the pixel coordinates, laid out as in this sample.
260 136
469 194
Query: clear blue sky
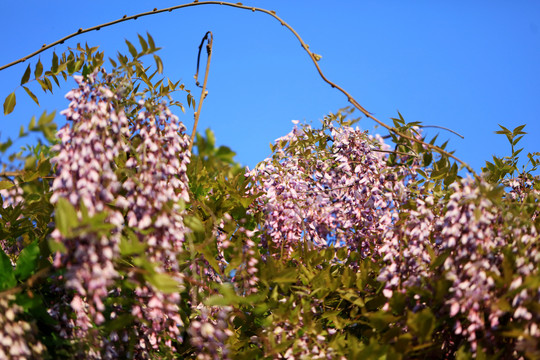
466 65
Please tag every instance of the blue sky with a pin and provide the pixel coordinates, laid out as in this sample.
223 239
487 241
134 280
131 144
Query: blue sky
466 65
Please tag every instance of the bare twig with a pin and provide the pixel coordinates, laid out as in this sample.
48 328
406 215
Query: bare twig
444 128
208 37
393 152
6 174
314 57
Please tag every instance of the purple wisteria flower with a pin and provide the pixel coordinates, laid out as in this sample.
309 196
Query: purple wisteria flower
149 201
17 337
327 195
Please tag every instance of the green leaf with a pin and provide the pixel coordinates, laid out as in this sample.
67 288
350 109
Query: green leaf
43 84
7 277
4 184
27 261
70 65
44 167
132 49
228 296
163 282
217 300
65 216
45 119
39 69
86 71
286 276
517 131
516 140
210 138
26 75
159 64
143 43
439 260
422 324
151 42
5 145
48 83
194 223
54 67
55 246
31 94
463 353
352 297
428 157
504 130
30 175
131 245
9 103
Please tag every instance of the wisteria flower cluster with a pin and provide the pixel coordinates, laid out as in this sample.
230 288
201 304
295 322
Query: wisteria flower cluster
17 337
345 195
340 194
209 332
87 178
96 137
11 197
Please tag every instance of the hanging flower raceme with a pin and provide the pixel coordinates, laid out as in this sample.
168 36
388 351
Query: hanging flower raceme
471 234
12 196
209 332
89 144
97 148
475 232
154 194
406 247
17 337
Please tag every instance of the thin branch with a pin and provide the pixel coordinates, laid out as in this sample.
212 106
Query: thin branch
393 152
9 174
198 283
209 38
444 128
314 59
6 174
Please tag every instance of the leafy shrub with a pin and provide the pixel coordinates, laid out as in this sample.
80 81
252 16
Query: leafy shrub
119 242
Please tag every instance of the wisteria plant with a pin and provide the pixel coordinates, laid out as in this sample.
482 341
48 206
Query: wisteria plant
123 239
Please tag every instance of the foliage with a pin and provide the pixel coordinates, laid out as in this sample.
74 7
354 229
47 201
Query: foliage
118 242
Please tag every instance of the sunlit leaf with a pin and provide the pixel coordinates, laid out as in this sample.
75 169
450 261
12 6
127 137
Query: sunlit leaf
5 184
26 75
151 42
163 282
31 94
9 103
54 67
159 64
27 261
132 49
39 69
65 216
143 43
7 276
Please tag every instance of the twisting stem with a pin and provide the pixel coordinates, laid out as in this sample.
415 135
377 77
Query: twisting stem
11 173
444 128
208 37
314 59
